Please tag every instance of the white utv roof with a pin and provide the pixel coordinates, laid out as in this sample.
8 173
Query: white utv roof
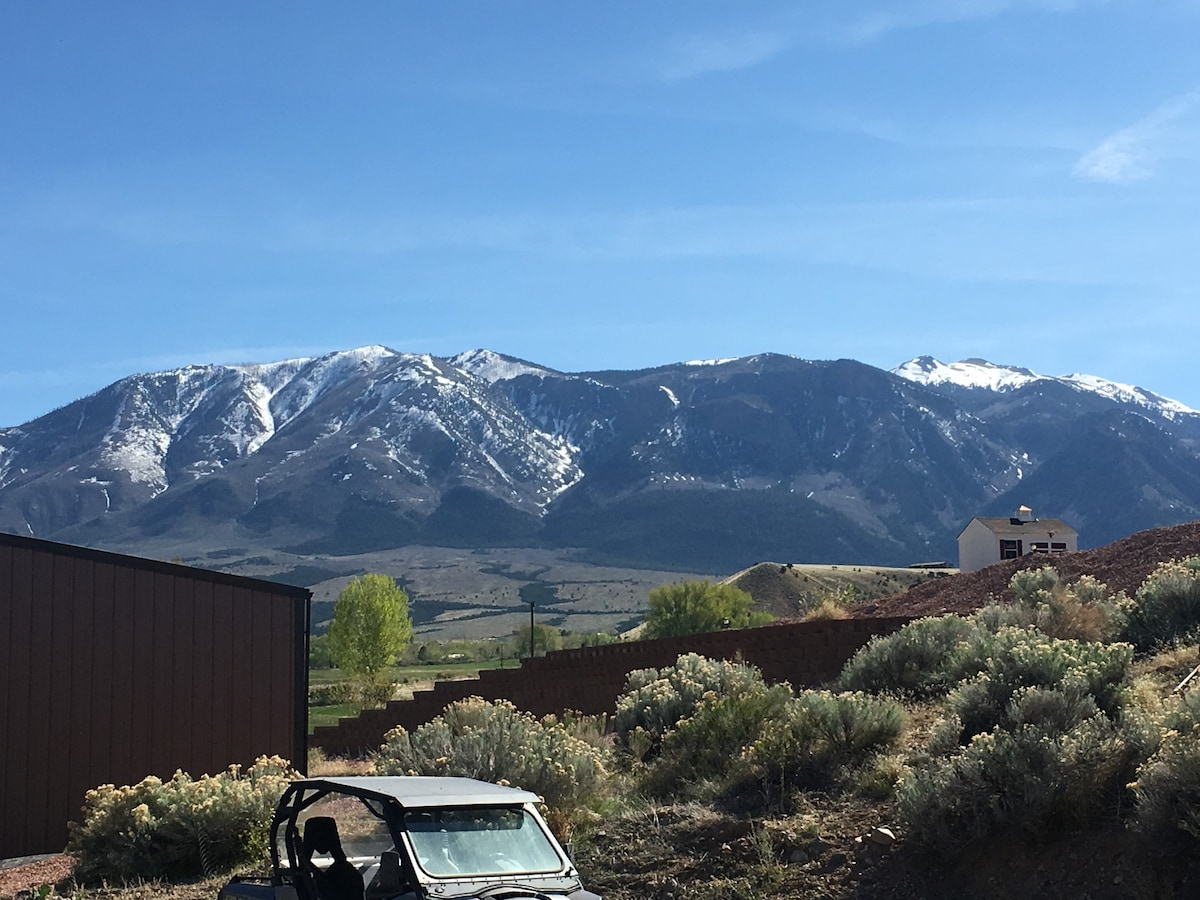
424 791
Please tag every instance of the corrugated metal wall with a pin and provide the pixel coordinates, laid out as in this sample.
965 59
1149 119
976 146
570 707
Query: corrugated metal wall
113 668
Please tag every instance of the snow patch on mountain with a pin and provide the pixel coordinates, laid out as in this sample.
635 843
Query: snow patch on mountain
317 376
1127 393
979 374
252 423
139 451
6 460
968 373
492 367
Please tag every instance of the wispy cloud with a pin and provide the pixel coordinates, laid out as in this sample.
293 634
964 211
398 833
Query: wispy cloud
701 54
1128 155
878 23
113 367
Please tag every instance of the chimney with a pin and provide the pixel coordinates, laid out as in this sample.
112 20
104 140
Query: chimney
1024 514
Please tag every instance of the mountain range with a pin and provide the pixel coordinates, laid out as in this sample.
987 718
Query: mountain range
704 466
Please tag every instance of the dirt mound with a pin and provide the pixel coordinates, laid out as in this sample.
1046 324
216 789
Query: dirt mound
789 590
773 588
1122 565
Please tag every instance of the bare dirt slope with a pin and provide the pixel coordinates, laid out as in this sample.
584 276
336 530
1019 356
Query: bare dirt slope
787 589
1122 565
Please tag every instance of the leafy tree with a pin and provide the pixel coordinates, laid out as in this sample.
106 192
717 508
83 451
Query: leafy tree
545 638
371 625
690 607
573 640
318 652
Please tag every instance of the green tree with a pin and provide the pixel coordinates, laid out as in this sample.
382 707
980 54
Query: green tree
318 652
370 626
545 638
690 607
573 640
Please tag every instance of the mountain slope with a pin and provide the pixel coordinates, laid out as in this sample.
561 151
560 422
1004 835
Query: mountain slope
703 466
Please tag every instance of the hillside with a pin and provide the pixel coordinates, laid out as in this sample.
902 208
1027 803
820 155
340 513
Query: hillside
1123 565
790 589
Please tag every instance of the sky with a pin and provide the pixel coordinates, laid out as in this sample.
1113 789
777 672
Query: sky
598 185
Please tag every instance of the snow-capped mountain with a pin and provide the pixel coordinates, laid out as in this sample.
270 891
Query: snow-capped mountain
703 465
979 374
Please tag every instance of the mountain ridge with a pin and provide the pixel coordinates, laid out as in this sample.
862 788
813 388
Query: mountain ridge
702 465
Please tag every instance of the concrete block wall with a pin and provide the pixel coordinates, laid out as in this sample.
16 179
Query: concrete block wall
590 679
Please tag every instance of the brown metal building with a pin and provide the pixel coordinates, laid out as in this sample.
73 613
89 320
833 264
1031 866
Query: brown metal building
114 667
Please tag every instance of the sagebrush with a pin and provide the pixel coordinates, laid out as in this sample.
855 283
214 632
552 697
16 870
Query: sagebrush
494 741
1167 788
655 701
1166 607
819 735
180 828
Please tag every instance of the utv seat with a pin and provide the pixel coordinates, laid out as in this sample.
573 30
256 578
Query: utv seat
389 881
340 880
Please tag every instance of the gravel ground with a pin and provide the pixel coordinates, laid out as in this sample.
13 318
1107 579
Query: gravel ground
30 872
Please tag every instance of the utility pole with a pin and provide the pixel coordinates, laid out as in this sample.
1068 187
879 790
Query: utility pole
531 629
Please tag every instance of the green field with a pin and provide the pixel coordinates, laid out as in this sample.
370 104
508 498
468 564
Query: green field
408 678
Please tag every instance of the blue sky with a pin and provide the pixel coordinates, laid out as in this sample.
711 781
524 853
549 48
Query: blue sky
598 185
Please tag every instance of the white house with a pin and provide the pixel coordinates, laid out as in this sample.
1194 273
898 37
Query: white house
988 540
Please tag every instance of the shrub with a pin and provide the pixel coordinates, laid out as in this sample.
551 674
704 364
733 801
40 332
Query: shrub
1048 741
820 734
1033 586
707 745
494 741
331 694
991 618
914 661
878 780
1083 610
1069 615
362 692
370 693
178 829
1167 789
1022 658
1167 605
1032 780
928 657
655 701
825 609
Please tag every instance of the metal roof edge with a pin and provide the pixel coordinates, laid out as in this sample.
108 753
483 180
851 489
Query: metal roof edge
154 565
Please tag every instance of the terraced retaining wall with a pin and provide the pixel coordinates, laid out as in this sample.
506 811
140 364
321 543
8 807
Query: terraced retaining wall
590 679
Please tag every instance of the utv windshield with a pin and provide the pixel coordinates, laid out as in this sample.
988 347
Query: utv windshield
466 843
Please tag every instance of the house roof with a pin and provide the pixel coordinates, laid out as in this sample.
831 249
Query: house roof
1006 525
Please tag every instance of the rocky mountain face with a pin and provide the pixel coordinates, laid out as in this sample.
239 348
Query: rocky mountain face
705 466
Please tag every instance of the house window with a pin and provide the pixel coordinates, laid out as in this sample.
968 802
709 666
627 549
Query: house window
1010 549
1039 547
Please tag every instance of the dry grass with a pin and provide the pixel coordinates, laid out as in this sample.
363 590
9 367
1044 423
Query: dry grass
1156 677
321 766
826 609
